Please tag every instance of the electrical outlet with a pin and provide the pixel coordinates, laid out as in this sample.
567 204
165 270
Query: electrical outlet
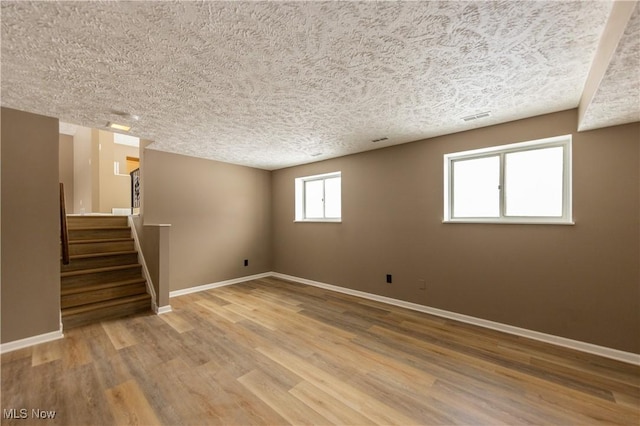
246 262
389 279
422 284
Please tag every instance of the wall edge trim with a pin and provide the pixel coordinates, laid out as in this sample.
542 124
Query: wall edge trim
31 341
204 287
591 348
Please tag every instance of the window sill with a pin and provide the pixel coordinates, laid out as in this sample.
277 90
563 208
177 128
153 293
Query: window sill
318 221
511 222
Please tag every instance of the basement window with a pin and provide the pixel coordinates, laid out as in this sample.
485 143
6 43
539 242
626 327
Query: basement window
319 198
528 182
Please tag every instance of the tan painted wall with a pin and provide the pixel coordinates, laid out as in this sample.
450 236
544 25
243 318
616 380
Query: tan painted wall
65 166
220 215
82 171
156 249
581 282
95 171
30 226
115 190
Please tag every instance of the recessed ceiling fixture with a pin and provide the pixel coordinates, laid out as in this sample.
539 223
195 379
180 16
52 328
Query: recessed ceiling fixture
380 139
477 116
117 126
126 115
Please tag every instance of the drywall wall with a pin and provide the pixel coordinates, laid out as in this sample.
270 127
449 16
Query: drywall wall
65 167
30 241
580 282
115 189
82 172
219 215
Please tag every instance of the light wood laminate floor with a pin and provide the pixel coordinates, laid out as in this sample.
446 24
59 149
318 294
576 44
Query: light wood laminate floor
273 352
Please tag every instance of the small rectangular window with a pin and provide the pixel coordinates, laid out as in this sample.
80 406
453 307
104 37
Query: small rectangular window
527 182
319 198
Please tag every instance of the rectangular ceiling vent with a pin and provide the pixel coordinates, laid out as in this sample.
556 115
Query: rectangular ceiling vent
380 139
477 116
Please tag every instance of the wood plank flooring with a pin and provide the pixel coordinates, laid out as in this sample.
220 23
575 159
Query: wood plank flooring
271 352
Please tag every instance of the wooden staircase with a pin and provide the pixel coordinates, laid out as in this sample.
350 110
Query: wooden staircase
103 279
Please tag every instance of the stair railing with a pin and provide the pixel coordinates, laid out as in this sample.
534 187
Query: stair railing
135 189
64 233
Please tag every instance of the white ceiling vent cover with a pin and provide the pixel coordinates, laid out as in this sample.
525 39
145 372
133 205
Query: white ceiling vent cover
477 116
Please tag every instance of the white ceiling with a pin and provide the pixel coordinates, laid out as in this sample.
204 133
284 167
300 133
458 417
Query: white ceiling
270 84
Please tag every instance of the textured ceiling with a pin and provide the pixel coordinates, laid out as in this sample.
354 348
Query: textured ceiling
270 84
617 100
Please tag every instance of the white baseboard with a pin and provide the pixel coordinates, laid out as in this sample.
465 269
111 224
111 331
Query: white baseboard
163 309
603 351
30 341
204 287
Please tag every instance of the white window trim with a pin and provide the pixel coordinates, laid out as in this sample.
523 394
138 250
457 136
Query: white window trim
566 219
300 197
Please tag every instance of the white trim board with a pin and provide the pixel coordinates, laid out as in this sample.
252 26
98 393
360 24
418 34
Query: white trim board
30 341
163 309
603 351
204 287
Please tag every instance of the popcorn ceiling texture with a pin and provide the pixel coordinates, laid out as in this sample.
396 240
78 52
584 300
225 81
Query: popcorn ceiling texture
267 84
617 100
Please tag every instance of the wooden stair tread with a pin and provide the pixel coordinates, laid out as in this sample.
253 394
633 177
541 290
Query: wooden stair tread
105 240
97 228
107 253
104 278
106 304
98 270
93 287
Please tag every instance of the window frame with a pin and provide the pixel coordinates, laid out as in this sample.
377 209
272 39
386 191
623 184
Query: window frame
564 141
300 197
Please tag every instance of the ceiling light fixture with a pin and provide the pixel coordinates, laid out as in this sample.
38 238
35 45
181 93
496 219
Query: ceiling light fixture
117 126
477 116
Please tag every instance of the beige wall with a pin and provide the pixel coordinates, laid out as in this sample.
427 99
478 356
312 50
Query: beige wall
65 167
156 248
115 190
95 171
581 282
219 215
82 171
30 239
96 188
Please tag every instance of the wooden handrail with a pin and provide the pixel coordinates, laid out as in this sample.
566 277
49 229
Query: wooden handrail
64 233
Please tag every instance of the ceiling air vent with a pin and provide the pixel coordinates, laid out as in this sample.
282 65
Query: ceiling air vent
380 139
477 116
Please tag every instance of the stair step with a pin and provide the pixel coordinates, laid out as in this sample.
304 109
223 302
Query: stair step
100 246
114 308
96 221
100 275
91 287
84 295
103 279
99 233
97 260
